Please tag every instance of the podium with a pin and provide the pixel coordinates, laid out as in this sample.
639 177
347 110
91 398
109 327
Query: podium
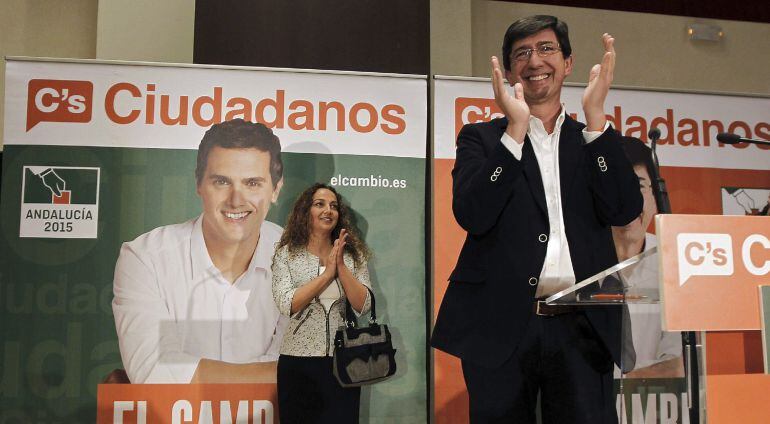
710 269
652 387
703 276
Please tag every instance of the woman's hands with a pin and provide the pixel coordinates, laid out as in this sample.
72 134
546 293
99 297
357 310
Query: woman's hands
340 245
355 291
335 268
336 259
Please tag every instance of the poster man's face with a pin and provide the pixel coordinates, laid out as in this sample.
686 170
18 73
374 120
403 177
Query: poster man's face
236 191
541 77
636 229
650 209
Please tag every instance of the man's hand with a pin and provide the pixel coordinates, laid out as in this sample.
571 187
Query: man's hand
514 108
53 181
599 81
213 371
671 368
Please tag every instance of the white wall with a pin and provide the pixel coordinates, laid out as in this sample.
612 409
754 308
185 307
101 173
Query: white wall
653 50
146 30
450 37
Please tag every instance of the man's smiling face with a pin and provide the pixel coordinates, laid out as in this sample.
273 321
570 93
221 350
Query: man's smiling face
236 191
541 77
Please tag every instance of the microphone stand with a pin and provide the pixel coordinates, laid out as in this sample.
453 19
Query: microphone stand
689 338
730 138
661 195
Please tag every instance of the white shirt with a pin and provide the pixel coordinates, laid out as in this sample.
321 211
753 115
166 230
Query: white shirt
557 273
172 306
651 343
331 293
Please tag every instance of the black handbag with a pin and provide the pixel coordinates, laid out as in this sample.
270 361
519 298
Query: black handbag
363 355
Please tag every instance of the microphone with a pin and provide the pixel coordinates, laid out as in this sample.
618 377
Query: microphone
654 135
730 138
661 194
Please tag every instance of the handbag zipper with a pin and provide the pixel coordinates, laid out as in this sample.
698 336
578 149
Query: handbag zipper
328 331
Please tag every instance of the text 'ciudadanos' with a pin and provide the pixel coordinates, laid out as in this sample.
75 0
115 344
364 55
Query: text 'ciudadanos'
126 103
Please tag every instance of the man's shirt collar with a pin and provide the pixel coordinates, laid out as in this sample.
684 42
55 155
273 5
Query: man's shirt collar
203 266
536 128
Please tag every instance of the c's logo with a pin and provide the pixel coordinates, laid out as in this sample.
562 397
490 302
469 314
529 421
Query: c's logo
58 101
471 110
704 254
712 254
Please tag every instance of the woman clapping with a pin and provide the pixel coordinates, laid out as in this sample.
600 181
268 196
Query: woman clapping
319 262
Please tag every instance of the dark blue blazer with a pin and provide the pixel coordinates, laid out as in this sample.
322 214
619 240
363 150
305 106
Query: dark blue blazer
500 202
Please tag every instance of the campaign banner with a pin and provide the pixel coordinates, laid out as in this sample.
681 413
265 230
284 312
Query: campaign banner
99 153
710 268
694 165
689 122
180 403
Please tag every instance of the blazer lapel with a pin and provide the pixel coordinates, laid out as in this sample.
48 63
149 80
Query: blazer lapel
532 174
570 154
531 169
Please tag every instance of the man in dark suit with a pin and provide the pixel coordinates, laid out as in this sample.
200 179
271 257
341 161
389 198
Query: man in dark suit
537 193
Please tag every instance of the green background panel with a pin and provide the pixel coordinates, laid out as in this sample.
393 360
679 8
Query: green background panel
58 333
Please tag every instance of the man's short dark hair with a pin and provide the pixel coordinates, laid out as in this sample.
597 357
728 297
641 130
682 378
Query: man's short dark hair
531 25
639 154
240 134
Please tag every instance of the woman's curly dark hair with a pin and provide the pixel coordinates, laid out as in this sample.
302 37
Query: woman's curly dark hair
296 234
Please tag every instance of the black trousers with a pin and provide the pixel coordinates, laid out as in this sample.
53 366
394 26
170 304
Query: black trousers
559 356
308 392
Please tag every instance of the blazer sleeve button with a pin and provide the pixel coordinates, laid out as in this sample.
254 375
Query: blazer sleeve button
496 174
533 281
602 163
542 238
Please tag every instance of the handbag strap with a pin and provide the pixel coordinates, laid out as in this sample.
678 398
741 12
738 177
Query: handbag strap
350 317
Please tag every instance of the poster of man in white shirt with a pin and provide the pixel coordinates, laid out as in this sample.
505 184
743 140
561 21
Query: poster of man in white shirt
658 353
192 301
